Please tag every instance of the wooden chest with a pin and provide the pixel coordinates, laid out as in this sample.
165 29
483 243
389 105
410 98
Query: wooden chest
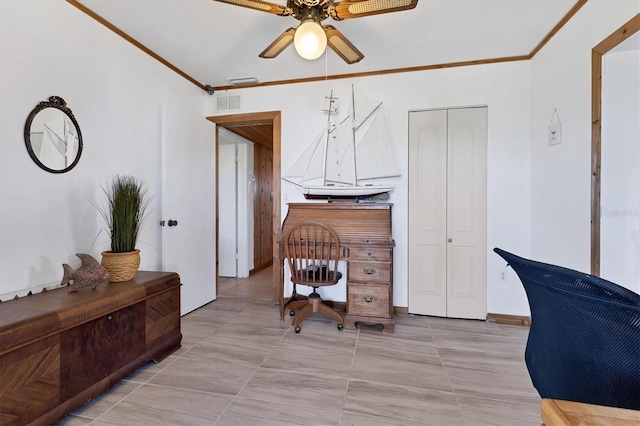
59 349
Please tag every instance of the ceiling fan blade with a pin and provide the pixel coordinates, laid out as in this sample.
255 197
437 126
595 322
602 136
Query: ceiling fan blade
260 5
279 44
343 47
349 9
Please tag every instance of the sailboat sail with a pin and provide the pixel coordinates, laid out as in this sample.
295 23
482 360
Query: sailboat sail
340 167
344 156
375 156
310 164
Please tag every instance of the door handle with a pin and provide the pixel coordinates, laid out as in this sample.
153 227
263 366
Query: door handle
172 222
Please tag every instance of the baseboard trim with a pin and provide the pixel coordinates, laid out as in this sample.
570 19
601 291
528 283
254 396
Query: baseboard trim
509 319
401 311
259 268
495 318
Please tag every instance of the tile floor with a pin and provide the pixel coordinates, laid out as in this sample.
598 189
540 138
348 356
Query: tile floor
240 365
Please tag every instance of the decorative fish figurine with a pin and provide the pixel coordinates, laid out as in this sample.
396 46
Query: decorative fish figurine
90 273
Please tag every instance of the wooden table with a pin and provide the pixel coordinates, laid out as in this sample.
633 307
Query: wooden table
558 412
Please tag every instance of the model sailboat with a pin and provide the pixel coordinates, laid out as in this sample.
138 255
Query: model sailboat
346 158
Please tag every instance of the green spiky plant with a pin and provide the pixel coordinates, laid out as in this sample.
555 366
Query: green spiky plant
127 205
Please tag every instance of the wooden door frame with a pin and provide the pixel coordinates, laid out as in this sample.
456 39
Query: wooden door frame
609 43
268 117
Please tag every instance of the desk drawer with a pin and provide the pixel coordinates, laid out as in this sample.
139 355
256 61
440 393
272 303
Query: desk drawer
378 272
368 300
370 253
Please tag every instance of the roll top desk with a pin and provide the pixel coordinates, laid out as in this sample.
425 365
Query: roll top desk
364 231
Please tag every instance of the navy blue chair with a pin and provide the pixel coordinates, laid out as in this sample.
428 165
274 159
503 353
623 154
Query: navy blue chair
584 340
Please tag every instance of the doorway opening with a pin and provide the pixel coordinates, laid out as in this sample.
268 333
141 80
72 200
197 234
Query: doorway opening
620 35
262 129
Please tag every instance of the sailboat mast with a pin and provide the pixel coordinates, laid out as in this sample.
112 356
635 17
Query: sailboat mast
326 143
353 136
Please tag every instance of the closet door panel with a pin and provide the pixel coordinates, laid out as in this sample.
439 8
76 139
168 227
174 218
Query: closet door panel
427 212
466 213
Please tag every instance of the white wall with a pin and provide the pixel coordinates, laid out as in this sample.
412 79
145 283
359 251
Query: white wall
538 196
620 169
114 90
561 174
504 88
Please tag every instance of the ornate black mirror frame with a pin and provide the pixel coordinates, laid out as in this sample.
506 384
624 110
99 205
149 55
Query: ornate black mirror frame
59 104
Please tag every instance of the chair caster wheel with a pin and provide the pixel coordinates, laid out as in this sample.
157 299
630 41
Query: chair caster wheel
297 329
340 326
292 313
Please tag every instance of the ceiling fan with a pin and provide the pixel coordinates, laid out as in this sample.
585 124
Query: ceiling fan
311 37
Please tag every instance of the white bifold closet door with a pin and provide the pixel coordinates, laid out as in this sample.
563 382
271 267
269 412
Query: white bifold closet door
447 212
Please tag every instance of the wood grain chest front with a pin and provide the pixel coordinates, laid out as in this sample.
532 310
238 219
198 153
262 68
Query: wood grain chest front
364 231
59 349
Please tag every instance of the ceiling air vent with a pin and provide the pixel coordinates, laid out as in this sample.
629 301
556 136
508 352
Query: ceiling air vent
243 81
227 102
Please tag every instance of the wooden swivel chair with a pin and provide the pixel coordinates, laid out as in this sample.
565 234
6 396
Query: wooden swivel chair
312 251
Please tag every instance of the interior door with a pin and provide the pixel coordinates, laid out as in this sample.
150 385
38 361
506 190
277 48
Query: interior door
447 212
467 213
187 194
428 212
228 216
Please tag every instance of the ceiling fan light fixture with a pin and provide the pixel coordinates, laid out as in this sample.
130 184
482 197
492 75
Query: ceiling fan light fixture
310 39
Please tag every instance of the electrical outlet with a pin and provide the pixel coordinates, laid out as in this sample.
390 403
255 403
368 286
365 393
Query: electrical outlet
504 275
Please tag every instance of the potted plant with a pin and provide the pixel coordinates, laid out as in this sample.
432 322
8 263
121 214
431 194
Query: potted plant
124 212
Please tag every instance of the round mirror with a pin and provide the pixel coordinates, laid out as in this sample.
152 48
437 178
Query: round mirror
53 136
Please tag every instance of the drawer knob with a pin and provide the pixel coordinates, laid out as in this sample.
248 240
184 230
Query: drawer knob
368 299
369 271
369 254
109 317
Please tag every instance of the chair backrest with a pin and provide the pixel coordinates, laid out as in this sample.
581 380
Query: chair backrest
312 250
584 341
